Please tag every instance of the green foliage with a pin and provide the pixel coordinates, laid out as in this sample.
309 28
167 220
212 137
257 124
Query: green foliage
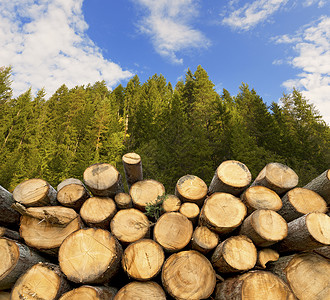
155 209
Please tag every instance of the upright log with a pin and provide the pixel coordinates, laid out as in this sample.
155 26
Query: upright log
230 177
8 216
91 293
123 200
321 185
141 291
204 240
133 168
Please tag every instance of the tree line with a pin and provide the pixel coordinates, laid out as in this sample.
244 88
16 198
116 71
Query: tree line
186 129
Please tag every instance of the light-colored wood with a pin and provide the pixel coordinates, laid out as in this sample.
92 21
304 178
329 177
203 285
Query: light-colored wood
321 185
8 216
129 225
4 296
277 177
222 212
72 193
300 201
188 275
204 240
133 168
190 210
264 227
88 292
143 259
190 188
123 201
265 256
307 233
307 274
98 212
173 231
16 258
234 254
254 285
42 281
90 255
171 203
10 234
103 180
230 177
35 192
260 197
141 291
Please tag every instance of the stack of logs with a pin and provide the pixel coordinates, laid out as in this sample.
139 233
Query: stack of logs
229 240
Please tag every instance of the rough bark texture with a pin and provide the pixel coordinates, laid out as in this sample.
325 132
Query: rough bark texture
8 216
133 168
204 240
171 203
141 291
91 293
123 201
10 234
321 185
190 210
324 251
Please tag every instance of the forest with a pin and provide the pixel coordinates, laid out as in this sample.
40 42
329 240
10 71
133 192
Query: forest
186 129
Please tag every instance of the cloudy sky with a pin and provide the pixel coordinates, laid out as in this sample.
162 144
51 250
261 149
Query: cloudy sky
272 45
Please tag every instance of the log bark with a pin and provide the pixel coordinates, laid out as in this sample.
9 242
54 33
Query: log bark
98 212
103 180
143 259
235 254
41 281
72 193
90 255
141 291
264 227
123 201
171 203
265 256
16 258
222 212
321 185
190 188
230 177
299 201
277 177
188 275
10 234
260 197
307 274
8 216
173 231
133 168
204 240
256 285
91 293
324 251
35 192
130 225
306 233
190 210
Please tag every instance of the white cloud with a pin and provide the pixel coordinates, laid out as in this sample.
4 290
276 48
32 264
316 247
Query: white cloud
251 14
46 43
168 25
320 3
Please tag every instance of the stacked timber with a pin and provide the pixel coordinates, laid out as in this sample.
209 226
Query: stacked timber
92 239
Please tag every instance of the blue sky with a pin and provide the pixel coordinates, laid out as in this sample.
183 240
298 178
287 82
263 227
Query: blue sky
271 45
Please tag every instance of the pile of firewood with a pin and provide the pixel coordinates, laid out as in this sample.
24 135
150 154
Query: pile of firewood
232 239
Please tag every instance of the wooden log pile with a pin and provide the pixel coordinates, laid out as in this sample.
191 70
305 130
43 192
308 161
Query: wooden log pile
233 239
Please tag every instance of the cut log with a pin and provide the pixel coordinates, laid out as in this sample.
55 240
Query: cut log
103 180
133 168
222 212
146 192
98 212
188 275
190 188
8 216
173 231
35 192
260 197
234 254
72 193
204 240
299 201
123 201
42 281
46 227
321 185
256 285
10 234
307 274
307 233
90 255
91 293
230 177
141 291
15 259
171 203
190 210
4 296
130 225
277 177
265 256
264 227
143 259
